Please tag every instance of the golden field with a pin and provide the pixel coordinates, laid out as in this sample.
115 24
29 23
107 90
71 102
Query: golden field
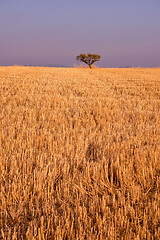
79 153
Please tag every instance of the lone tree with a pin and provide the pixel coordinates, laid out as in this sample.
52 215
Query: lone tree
89 59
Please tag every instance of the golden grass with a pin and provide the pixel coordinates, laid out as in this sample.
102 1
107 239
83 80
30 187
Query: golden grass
79 153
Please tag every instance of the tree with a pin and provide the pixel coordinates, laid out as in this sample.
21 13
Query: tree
89 59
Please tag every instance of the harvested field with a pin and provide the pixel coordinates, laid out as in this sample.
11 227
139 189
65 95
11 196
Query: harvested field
79 153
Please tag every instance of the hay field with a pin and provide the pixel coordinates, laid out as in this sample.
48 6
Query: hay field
79 153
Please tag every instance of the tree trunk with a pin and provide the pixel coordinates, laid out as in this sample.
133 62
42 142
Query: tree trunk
90 66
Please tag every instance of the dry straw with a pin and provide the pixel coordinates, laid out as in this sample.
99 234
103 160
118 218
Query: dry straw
79 153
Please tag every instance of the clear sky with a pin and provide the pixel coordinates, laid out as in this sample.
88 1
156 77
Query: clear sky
41 32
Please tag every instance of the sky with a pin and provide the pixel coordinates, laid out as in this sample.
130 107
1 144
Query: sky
53 32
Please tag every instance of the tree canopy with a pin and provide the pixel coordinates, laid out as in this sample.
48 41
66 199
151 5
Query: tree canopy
89 58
